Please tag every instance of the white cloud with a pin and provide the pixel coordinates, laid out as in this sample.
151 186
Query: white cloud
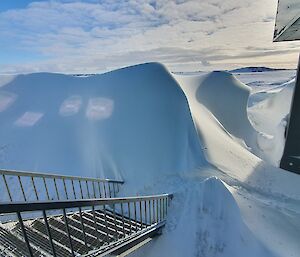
89 36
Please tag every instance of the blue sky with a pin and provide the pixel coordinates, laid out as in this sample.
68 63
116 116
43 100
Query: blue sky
96 36
6 5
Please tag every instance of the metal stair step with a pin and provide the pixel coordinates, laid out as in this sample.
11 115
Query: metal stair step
16 245
41 241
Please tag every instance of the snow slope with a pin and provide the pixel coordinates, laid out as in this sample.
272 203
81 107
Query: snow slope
275 105
216 91
273 193
204 221
269 116
223 149
185 134
261 81
132 123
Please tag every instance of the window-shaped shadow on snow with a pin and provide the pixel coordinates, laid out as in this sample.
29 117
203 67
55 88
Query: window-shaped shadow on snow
70 106
99 108
28 119
6 99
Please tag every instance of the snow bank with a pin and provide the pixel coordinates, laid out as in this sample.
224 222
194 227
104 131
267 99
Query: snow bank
221 147
204 220
132 123
136 124
269 116
226 98
268 113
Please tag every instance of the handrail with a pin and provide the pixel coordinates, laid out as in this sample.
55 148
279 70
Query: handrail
53 175
44 186
9 207
109 222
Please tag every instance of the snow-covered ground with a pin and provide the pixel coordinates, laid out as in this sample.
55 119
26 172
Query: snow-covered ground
209 138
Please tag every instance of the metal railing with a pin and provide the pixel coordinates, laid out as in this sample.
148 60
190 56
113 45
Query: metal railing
29 186
88 227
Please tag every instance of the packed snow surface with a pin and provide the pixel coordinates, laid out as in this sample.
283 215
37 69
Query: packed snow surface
206 137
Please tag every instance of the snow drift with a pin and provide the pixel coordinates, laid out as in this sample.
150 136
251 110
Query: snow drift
275 105
204 220
220 136
140 125
226 98
269 116
132 123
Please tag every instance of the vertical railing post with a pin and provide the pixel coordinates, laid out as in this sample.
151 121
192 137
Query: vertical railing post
99 187
46 188
153 209
167 205
22 189
109 189
82 226
165 202
141 214
106 224
68 232
163 208
123 221
160 210
87 188
135 217
129 217
94 189
115 221
105 195
114 189
150 219
157 210
80 186
55 185
49 233
7 188
73 187
65 187
96 225
24 234
34 188
145 209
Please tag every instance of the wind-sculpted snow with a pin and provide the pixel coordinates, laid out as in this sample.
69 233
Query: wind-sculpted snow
140 125
204 220
132 123
275 105
225 97
219 112
269 116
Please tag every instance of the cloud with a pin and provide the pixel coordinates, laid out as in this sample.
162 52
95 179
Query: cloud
94 36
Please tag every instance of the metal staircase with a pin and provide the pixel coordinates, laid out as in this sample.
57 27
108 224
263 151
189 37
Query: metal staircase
94 226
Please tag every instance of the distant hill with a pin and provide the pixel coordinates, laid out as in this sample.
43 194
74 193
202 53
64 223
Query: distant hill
254 69
84 75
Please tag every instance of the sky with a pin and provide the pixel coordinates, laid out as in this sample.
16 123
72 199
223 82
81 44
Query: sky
94 36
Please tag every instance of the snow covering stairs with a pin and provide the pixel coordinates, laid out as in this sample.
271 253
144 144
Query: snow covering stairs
12 239
78 227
